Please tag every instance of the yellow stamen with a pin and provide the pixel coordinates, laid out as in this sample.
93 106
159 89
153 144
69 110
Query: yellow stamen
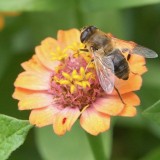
82 71
59 54
77 77
67 76
72 88
64 82
55 78
89 75
78 83
74 72
85 84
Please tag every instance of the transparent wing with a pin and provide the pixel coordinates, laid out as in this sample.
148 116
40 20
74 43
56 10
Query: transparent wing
134 48
105 72
143 51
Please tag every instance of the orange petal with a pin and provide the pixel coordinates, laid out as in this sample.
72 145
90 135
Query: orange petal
35 100
131 99
20 93
94 122
30 80
128 111
42 117
69 37
64 120
138 69
110 105
137 64
132 84
44 51
34 65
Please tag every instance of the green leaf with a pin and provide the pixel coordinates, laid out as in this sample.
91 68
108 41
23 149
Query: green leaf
153 112
84 5
73 145
12 134
34 5
93 5
152 155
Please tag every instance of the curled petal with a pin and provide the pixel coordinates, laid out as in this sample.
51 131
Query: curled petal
64 120
35 100
94 122
69 37
43 116
28 80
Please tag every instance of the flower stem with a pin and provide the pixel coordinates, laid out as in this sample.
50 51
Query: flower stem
97 147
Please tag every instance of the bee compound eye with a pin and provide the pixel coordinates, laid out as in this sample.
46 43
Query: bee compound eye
93 28
86 33
84 36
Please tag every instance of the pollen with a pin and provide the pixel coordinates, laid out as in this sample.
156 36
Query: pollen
74 81
59 54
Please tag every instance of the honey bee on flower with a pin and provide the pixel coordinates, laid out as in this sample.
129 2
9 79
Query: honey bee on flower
108 57
58 89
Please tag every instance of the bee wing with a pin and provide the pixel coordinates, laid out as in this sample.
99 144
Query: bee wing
133 48
145 52
105 72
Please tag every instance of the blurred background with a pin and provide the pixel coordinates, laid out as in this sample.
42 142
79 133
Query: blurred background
32 21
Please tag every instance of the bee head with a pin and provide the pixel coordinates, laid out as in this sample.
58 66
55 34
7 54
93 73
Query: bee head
86 32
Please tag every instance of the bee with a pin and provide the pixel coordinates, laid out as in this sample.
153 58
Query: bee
108 56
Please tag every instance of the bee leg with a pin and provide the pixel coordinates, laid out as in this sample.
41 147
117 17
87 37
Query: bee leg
84 50
89 64
125 50
128 57
134 73
119 95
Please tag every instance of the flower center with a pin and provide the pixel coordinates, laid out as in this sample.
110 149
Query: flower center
74 82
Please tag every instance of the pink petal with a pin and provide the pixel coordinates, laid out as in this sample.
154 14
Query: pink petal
94 122
111 105
42 117
35 100
30 80
64 120
66 38
44 53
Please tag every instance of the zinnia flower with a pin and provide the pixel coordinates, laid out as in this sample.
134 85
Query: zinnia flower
58 89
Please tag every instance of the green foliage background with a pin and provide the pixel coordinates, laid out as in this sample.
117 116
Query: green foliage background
133 138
